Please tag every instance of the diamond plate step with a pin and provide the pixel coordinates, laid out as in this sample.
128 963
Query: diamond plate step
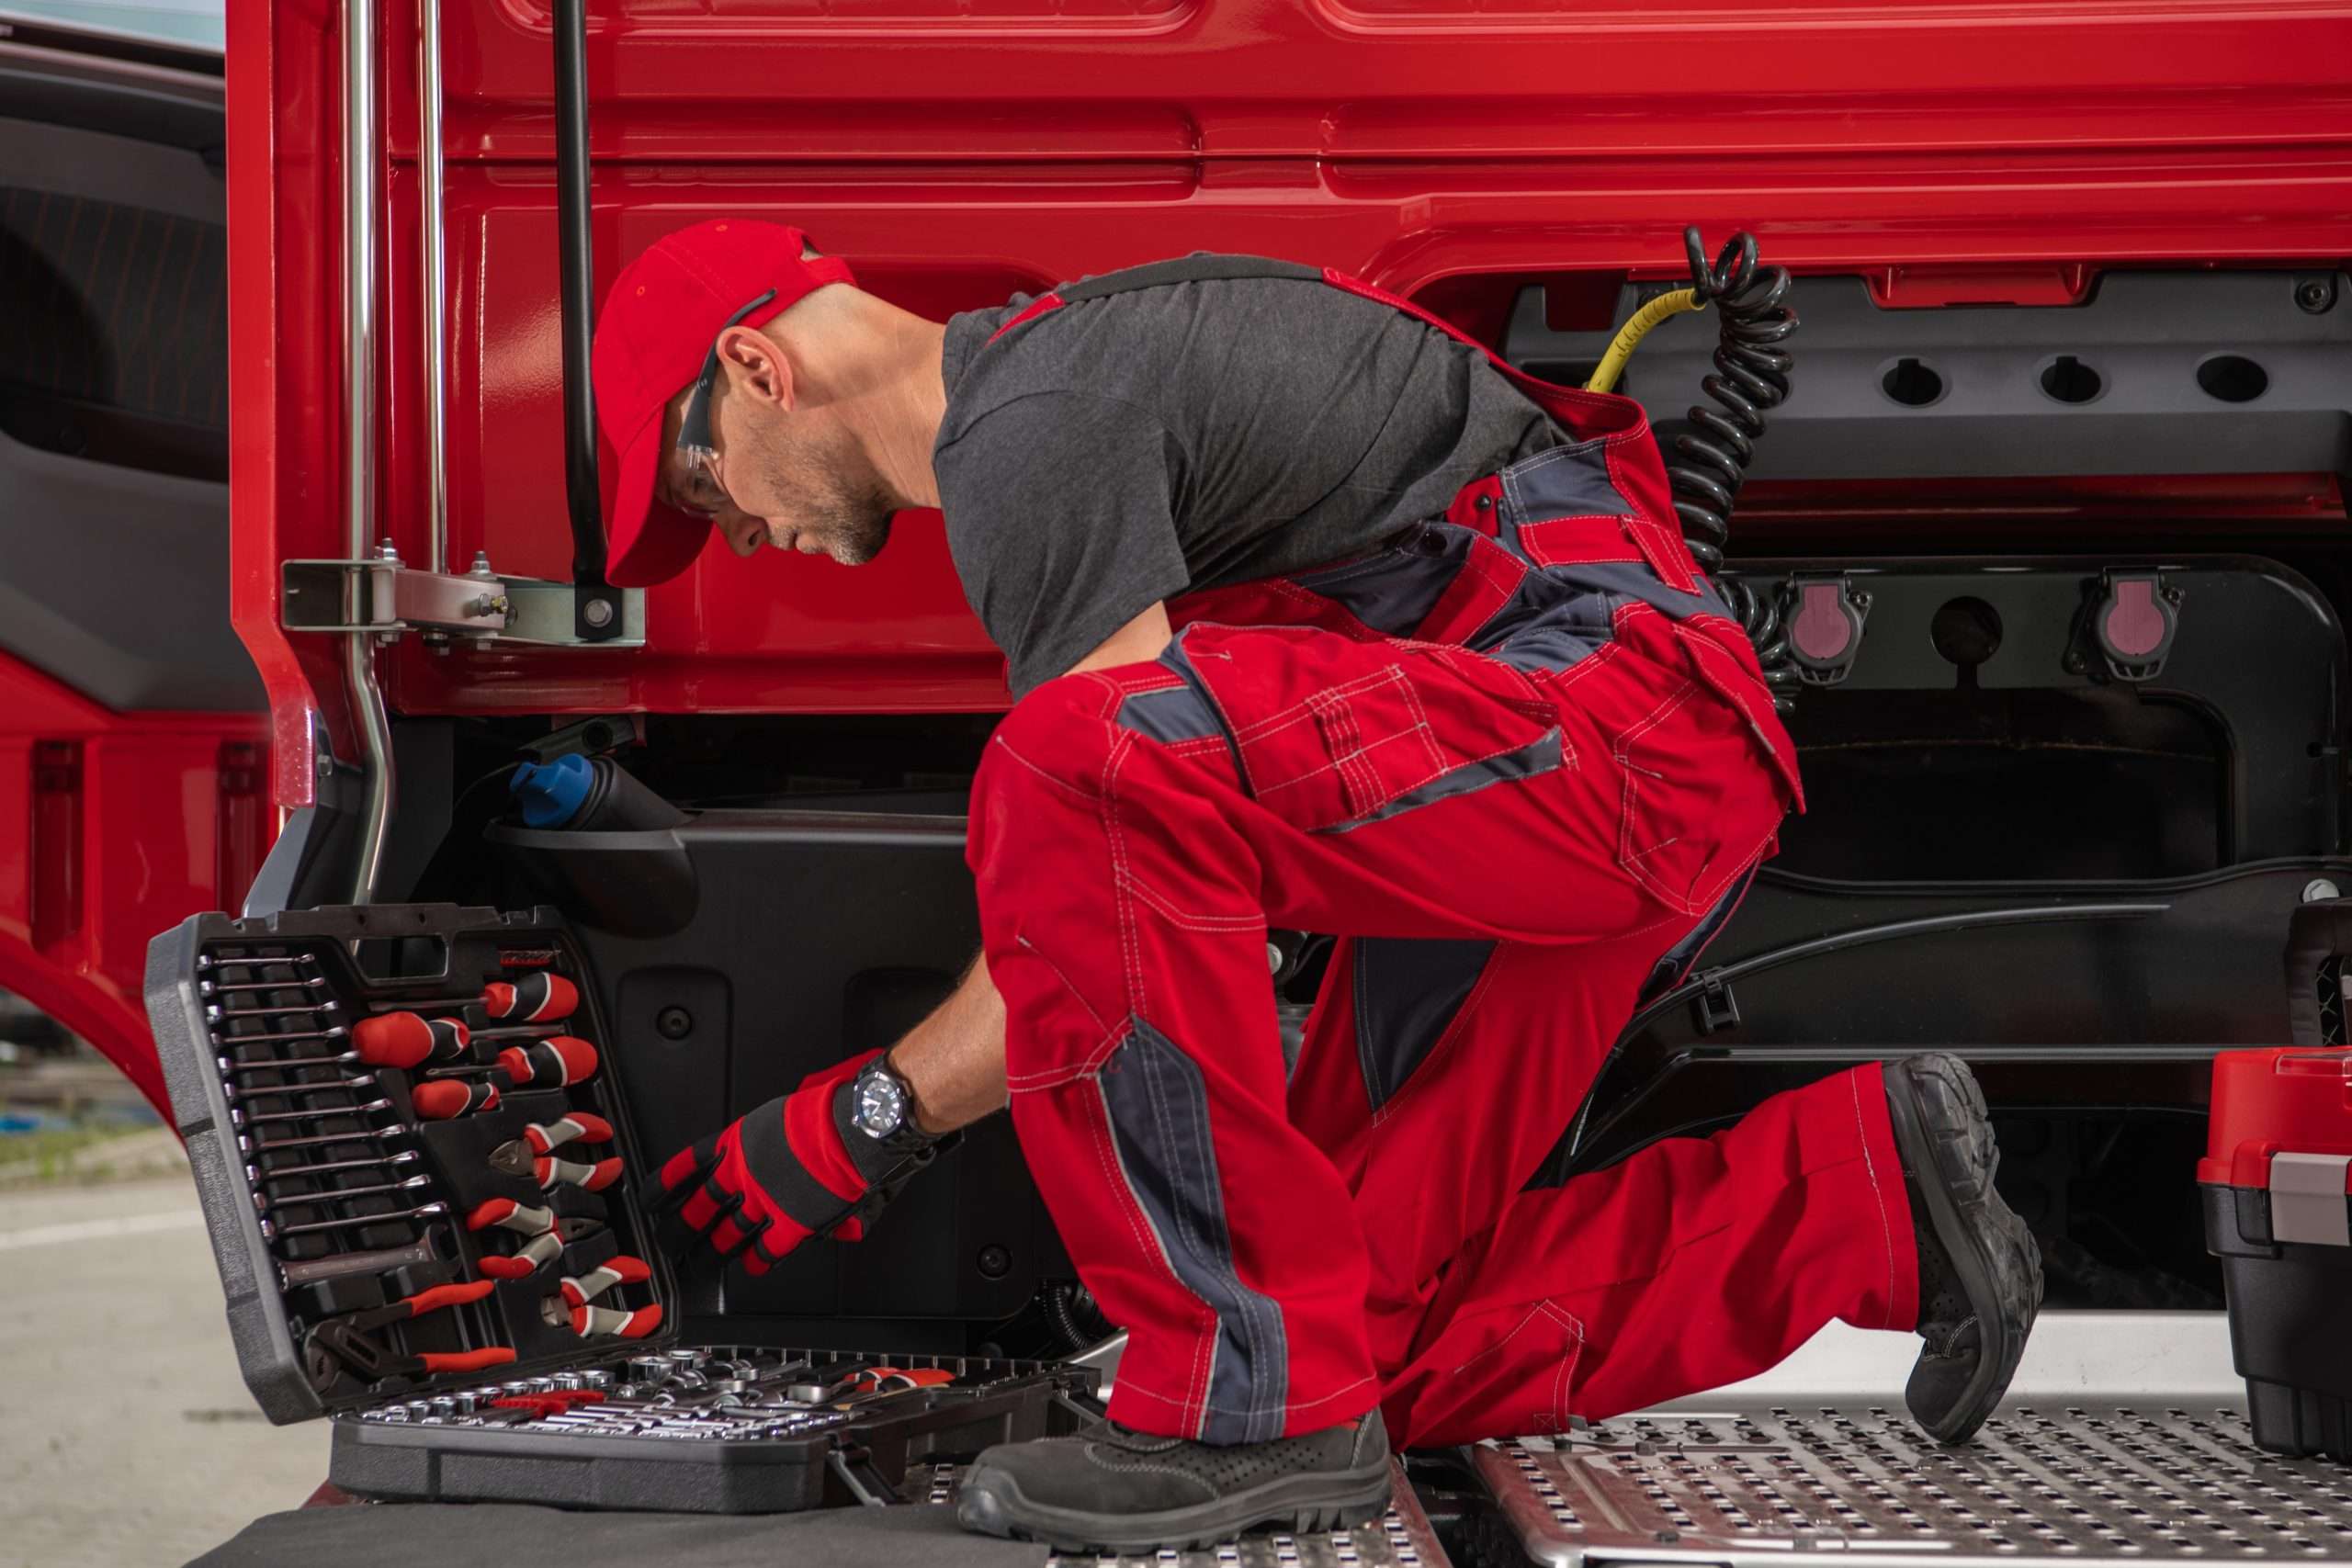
1845 1487
1401 1539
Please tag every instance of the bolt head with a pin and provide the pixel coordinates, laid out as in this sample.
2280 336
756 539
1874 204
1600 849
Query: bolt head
2319 889
598 614
2315 295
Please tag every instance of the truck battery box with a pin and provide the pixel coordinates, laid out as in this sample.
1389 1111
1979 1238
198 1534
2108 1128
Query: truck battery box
435 1228
2275 1179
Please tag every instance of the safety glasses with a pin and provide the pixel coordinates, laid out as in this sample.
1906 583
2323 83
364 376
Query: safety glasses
694 428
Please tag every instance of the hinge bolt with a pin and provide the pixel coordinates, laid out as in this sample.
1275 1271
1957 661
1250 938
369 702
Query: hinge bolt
598 613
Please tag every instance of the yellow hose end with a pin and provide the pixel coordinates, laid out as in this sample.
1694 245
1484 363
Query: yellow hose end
1629 336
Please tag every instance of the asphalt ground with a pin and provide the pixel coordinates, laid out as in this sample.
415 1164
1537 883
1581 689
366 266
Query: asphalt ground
126 1436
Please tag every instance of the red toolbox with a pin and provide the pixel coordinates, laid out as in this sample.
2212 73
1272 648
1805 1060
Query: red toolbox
2276 1169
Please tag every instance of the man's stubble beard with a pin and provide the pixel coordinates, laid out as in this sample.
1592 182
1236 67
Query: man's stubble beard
847 508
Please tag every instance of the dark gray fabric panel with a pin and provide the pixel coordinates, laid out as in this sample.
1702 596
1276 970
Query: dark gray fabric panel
1394 591
1159 1112
1567 481
1407 994
1628 580
1552 645
501 1535
1178 712
1538 756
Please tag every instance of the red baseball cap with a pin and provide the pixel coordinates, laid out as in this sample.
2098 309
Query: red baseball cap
664 313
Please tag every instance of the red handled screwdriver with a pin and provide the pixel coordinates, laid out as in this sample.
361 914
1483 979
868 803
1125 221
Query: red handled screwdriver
406 1040
446 1098
543 1063
538 998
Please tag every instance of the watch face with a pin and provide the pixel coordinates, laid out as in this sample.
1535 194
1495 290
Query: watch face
881 1107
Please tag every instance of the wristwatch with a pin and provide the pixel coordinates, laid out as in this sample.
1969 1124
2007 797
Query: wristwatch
882 1106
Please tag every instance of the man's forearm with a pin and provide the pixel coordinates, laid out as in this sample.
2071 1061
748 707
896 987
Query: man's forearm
955 1058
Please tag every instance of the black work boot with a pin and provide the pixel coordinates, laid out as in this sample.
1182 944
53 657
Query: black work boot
1980 1272
1107 1489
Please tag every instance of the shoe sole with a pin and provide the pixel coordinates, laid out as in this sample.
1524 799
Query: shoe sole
1968 1213
991 1503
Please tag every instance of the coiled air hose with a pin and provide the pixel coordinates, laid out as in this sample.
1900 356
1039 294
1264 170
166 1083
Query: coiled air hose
1751 375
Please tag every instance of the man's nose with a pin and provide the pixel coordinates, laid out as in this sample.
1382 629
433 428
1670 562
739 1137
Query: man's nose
745 534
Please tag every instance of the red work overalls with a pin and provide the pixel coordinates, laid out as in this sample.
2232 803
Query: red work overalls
1522 764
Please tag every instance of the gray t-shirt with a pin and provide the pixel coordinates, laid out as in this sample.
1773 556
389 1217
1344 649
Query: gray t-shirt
1125 449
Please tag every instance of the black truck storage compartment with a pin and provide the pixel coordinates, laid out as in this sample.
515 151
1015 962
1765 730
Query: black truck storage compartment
419 1172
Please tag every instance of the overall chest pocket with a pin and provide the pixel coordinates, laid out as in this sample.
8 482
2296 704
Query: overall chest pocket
1331 733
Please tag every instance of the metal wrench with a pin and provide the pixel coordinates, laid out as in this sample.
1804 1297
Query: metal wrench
271 1230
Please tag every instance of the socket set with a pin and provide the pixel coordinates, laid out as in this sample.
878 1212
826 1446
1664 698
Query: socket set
422 1191
707 1429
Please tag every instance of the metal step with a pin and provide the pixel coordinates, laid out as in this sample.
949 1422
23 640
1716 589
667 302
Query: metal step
1859 1487
1402 1539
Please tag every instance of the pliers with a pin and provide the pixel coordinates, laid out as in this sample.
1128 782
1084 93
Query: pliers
346 1339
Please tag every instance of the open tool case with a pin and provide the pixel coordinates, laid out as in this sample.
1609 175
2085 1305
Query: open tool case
440 1236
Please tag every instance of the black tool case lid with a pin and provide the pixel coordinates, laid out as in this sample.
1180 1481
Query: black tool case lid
480 945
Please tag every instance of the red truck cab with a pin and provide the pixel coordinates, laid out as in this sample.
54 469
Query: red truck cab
2051 530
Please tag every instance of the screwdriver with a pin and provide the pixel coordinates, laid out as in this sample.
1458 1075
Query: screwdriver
538 998
548 1063
447 1098
405 1039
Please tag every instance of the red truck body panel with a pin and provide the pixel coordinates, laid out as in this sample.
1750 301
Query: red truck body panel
132 821
957 149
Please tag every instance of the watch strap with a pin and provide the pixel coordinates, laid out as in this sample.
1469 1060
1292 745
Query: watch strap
875 1157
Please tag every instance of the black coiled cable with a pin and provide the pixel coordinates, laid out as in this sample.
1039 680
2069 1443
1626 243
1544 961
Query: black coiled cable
1751 375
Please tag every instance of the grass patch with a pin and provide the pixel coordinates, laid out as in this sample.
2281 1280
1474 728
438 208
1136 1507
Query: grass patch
46 1153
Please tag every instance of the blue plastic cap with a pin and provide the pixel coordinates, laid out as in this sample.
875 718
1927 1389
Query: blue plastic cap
550 794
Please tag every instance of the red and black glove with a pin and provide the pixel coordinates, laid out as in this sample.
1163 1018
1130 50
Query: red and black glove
795 1168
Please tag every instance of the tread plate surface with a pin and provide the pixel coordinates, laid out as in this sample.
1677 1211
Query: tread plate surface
1809 1486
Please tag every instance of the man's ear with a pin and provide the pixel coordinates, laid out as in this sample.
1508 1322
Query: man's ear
756 366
